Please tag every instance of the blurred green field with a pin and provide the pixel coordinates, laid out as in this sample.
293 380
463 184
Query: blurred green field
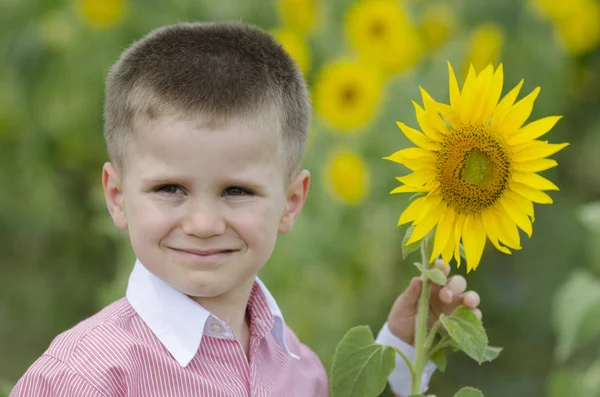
62 260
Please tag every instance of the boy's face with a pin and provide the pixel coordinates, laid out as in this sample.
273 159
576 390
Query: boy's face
203 207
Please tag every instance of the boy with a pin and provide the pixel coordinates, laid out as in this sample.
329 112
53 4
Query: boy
205 125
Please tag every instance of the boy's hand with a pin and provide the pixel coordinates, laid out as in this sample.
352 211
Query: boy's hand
401 320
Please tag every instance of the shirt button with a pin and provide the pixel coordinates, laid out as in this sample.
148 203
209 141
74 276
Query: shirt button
260 322
217 328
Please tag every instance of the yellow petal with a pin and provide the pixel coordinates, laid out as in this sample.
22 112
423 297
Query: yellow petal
525 205
474 240
467 96
411 189
519 217
413 210
518 114
494 94
538 150
458 227
507 229
505 105
426 126
443 233
431 112
457 256
417 178
432 201
455 101
533 130
530 193
427 223
447 251
418 138
484 81
534 165
534 180
491 229
448 113
412 153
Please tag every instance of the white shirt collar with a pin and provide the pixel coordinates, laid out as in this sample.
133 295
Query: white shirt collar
179 322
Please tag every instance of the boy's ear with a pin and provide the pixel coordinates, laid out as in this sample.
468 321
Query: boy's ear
113 194
296 196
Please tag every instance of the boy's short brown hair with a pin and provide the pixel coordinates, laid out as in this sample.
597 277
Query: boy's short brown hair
216 71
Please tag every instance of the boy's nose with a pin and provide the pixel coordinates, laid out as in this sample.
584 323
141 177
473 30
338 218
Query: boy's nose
203 221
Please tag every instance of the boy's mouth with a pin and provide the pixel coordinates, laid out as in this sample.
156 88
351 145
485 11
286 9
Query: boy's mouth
205 256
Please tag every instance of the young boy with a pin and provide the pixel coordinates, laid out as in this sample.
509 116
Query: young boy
205 125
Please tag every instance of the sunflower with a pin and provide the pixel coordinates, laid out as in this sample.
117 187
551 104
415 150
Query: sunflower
301 16
346 176
347 94
296 47
438 24
381 31
101 13
485 46
475 167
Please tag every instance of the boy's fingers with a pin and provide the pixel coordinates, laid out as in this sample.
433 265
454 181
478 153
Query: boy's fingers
446 295
406 304
457 284
471 299
477 314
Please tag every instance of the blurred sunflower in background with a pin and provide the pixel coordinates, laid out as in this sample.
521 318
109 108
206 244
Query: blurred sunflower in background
382 32
345 176
475 168
576 22
485 46
347 94
438 25
301 16
101 13
296 47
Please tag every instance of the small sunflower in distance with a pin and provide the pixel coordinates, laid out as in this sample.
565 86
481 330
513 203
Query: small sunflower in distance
475 167
381 31
347 94
346 176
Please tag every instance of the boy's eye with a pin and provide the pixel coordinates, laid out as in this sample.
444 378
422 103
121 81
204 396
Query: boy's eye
169 189
238 191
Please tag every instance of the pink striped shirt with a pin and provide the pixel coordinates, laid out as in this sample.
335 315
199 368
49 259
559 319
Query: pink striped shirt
157 342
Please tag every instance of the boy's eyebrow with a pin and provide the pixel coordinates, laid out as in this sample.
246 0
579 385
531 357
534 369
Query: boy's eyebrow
240 180
150 180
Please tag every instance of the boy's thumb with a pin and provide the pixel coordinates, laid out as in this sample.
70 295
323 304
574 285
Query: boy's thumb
408 301
413 292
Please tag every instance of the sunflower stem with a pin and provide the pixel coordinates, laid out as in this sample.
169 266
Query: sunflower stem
421 323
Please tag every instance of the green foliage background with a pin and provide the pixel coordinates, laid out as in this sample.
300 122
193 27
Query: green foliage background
61 259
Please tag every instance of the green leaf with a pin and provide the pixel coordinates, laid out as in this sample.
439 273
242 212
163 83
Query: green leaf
439 359
469 392
360 367
491 353
577 313
434 274
419 266
467 332
409 249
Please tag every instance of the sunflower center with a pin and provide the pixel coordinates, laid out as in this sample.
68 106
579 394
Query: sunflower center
349 95
377 28
473 168
478 168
